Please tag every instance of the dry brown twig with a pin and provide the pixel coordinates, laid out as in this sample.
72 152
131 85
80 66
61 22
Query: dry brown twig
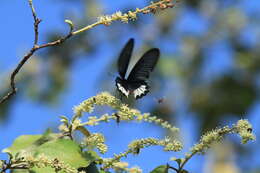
35 47
103 20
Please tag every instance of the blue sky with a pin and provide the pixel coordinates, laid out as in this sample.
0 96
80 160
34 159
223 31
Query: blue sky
28 117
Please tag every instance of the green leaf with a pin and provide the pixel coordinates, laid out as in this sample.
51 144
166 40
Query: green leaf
179 161
20 171
91 155
21 143
160 169
27 143
67 151
47 136
64 119
51 147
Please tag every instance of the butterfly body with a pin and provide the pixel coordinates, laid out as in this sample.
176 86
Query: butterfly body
137 88
135 83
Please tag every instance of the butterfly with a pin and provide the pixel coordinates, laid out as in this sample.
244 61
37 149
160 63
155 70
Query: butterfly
132 81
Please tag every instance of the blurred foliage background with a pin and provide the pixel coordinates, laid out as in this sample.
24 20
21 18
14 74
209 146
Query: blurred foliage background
209 66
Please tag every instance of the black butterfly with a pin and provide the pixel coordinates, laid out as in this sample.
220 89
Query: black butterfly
135 82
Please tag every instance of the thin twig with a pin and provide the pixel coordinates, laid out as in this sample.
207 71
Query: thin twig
221 132
161 4
26 57
57 42
170 167
36 23
13 165
185 161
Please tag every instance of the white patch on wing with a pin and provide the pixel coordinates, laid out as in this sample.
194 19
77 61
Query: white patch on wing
122 89
139 91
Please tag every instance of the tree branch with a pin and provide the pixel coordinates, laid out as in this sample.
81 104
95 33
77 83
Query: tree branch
31 52
36 23
26 57
103 20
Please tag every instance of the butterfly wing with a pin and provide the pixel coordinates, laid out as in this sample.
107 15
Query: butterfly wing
141 71
141 88
124 58
122 86
138 88
144 66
